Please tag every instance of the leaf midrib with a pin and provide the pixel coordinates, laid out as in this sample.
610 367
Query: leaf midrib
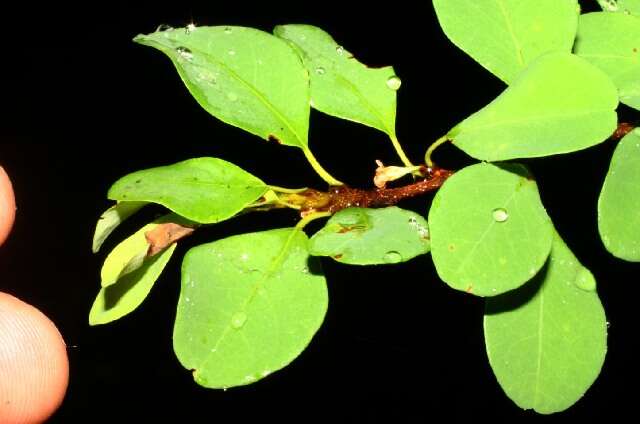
516 42
256 286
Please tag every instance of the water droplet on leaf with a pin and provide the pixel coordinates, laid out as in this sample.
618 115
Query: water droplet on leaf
392 257
320 70
231 52
340 50
394 83
500 215
232 96
584 280
190 28
238 319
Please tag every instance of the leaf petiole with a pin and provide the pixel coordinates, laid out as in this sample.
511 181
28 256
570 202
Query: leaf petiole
434 146
320 170
396 145
311 217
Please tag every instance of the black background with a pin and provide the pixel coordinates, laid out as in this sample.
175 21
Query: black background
84 105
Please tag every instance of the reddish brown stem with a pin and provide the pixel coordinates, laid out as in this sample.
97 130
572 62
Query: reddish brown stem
623 129
342 197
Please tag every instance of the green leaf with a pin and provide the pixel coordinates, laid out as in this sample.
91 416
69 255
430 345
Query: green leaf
110 220
361 236
619 202
115 301
242 76
489 230
205 190
126 257
547 341
505 36
631 7
340 85
611 41
248 306
560 104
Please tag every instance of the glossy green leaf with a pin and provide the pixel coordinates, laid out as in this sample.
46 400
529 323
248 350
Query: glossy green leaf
611 41
361 236
619 202
504 36
489 231
340 85
115 301
242 76
559 104
631 7
126 257
110 220
249 305
547 341
205 190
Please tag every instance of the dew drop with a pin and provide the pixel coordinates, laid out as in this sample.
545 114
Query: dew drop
231 52
228 30
320 70
500 215
340 50
394 83
304 270
238 319
184 53
232 96
190 28
608 324
584 280
392 257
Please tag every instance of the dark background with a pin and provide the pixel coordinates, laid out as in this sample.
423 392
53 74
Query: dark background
84 105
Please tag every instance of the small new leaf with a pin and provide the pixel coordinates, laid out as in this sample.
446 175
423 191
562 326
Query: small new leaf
117 300
126 257
110 220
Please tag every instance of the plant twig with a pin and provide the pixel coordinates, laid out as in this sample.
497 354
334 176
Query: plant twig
337 198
